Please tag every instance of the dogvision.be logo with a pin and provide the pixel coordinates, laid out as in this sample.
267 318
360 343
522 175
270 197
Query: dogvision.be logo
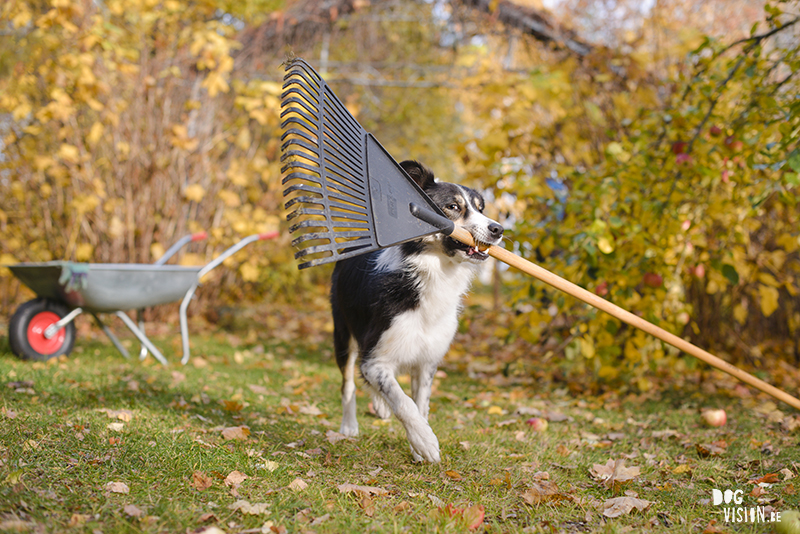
735 513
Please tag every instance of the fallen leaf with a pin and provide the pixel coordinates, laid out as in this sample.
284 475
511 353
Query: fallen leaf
541 491
115 427
614 472
787 474
297 484
624 505
246 508
310 410
235 432
471 517
75 520
117 487
709 450
771 478
455 475
681 469
132 510
369 490
235 478
269 465
402 507
320 519
201 481
122 415
334 437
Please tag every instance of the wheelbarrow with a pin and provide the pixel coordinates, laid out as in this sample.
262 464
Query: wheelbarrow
43 328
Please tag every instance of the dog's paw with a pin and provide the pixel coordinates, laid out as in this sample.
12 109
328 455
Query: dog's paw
424 444
349 430
382 409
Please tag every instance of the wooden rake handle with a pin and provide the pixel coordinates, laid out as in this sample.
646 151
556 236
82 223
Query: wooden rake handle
625 316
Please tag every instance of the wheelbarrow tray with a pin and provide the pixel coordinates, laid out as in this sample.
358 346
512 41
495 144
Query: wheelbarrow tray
107 287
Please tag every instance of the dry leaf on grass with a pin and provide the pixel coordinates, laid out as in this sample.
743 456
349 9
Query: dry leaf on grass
471 517
368 490
542 491
132 510
235 479
115 427
614 472
334 437
75 520
117 487
201 481
771 478
252 509
235 432
624 505
298 484
122 415
709 450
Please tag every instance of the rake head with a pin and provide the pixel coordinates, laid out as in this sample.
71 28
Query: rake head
349 195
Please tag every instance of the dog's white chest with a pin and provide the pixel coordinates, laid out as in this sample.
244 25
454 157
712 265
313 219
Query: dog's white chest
423 335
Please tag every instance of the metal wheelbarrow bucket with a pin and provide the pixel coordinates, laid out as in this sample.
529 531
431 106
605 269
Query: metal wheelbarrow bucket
43 328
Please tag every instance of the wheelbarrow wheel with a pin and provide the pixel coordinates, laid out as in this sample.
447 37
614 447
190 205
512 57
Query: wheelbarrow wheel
28 324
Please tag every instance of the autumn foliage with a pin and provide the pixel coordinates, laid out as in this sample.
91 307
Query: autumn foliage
664 178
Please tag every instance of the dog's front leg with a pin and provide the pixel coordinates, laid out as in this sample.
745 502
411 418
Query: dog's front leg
421 384
424 445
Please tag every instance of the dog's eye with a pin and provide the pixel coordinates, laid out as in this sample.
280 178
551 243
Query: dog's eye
453 207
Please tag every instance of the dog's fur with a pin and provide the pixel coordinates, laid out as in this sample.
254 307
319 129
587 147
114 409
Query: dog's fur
396 311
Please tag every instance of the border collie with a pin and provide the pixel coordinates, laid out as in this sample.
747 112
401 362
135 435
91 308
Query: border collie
396 311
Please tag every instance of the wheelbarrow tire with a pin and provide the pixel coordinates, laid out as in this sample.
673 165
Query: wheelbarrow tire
26 331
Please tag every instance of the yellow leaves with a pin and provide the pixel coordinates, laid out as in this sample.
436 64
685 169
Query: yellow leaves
95 133
249 272
605 244
215 83
740 313
85 203
587 347
84 252
180 138
243 138
229 198
768 297
69 153
194 192
615 150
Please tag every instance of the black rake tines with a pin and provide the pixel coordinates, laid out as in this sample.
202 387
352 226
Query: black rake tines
323 151
348 195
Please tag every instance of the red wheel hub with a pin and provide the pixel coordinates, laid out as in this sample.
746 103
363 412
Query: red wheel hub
36 328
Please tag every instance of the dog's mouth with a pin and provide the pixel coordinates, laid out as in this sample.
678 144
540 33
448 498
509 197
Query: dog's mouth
472 252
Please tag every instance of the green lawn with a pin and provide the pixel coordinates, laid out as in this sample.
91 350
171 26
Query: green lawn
243 439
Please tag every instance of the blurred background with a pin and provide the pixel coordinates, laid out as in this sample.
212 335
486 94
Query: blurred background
644 150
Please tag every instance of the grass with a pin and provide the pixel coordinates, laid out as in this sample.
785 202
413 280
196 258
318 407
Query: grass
58 453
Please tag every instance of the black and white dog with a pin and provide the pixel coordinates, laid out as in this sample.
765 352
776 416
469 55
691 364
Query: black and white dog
396 311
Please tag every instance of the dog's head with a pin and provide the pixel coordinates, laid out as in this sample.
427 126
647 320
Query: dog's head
462 205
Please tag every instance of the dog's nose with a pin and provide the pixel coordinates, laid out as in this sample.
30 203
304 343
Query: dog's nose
496 230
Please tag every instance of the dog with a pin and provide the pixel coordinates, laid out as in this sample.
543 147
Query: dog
395 311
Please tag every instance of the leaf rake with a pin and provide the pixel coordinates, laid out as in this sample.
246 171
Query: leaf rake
351 197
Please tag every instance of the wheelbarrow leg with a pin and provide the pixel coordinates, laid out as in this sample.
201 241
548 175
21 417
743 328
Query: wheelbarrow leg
184 323
141 337
53 329
140 318
111 336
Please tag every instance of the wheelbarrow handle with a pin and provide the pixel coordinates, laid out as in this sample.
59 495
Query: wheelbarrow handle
197 236
205 270
233 250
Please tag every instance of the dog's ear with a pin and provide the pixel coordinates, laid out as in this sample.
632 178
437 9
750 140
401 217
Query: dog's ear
419 173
